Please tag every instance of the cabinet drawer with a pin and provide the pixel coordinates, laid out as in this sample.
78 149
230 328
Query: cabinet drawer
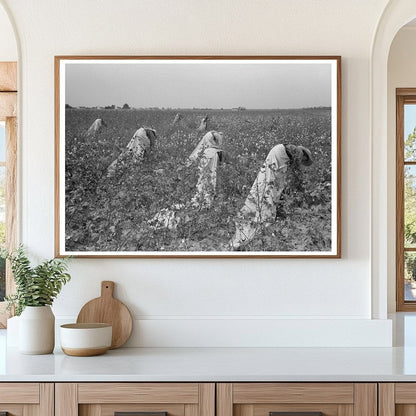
147 399
19 393
297 399
138 393
397 399
120 408
21 399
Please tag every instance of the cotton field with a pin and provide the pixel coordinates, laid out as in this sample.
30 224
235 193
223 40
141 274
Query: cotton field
114 213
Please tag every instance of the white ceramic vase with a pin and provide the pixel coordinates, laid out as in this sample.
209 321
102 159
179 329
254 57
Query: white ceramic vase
37 330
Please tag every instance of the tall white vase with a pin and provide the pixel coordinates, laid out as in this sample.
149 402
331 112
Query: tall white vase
37 330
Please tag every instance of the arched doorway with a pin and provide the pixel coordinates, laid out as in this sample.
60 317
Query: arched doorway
395 16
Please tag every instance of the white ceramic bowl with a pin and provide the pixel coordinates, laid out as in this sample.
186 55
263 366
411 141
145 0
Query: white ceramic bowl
83 340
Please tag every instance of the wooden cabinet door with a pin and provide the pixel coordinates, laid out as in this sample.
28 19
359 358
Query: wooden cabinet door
26 399
143 399
297 399
397 399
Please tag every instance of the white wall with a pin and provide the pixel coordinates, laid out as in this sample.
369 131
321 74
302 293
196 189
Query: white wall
401 74
200 300
8 47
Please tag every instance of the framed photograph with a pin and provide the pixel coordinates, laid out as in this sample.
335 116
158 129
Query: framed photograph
198 156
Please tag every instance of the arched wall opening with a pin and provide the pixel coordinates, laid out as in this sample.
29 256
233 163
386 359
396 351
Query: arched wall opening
396 15
401 73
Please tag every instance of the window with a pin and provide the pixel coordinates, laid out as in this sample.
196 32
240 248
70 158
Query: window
406 199
8 166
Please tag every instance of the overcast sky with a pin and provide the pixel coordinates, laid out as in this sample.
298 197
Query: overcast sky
409 119
208 85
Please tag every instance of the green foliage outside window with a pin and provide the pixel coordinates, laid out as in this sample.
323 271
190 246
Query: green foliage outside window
410 205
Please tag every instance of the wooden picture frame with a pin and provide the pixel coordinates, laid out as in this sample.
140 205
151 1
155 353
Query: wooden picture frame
198 156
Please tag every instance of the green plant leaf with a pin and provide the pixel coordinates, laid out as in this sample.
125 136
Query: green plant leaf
35 286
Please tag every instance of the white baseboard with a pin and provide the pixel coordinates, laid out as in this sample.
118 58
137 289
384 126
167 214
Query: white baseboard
256 332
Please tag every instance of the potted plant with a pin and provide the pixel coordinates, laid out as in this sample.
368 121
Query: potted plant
36 289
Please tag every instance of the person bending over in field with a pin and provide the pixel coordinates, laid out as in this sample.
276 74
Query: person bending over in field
208 153
96 127
177 119
203 126
142 141
259 209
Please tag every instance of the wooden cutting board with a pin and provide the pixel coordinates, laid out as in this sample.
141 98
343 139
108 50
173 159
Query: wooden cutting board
108 310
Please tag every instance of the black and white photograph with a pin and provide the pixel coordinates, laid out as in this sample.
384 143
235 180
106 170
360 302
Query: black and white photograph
198 156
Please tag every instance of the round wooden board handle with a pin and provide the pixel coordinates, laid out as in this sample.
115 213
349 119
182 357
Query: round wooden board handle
107 288
109 310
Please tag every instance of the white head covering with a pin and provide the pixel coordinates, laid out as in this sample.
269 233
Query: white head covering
212 139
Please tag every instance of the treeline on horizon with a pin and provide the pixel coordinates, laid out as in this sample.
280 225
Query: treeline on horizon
127 107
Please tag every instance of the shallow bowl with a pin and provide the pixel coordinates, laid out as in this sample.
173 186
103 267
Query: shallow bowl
83 340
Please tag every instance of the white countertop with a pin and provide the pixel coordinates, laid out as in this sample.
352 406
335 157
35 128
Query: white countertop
215 364
221 364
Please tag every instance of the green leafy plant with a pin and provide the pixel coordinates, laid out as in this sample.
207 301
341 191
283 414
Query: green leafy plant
35 286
